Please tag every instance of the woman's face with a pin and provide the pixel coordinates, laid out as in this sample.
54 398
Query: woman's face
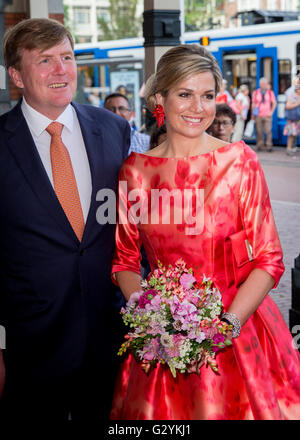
190 106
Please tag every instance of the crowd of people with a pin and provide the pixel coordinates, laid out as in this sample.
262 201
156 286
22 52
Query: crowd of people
65 273
256 110
253 115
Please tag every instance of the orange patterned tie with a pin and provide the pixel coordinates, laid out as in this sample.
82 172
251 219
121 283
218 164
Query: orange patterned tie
64 179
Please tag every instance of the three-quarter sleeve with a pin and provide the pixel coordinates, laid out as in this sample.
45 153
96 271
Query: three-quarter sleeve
257 218
127 255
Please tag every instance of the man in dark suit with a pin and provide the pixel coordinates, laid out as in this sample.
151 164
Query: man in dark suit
56 294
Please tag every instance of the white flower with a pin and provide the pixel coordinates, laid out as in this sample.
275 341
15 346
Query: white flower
133 299
184 348
166 340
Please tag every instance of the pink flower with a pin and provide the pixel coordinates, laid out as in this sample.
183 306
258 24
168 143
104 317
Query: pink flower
187 280
146 298
150 350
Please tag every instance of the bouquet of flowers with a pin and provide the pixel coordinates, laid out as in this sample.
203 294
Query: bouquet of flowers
174 320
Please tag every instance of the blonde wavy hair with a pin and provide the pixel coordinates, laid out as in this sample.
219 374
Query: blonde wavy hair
176 65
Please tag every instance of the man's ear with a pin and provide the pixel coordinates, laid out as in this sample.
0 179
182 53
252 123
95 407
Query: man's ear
16 77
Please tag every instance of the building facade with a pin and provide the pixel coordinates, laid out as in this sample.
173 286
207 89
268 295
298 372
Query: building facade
82 17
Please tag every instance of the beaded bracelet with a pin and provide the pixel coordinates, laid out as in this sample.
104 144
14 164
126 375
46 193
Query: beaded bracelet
232 319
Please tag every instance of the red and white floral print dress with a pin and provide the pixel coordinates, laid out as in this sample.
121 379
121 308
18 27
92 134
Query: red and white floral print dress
259 376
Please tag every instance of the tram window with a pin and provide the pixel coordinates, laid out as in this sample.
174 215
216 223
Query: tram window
298 59
266 69
284 75
86 91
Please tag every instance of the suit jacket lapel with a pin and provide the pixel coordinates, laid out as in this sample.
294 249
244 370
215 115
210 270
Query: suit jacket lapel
26 155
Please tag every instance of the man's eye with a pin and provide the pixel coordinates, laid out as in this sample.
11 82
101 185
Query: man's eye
45 60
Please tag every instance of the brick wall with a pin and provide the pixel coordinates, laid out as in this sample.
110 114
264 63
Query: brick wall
230 9
58 17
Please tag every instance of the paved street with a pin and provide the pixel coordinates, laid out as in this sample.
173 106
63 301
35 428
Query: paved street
283 177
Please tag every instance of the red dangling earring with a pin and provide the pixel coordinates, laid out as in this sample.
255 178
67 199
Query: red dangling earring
159 115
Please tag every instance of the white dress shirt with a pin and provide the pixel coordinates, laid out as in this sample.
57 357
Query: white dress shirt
72 139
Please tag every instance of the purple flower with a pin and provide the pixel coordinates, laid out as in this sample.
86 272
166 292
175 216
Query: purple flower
218 338
200 337
187 280
146 298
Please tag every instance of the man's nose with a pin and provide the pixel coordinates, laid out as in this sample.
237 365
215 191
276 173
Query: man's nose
59 66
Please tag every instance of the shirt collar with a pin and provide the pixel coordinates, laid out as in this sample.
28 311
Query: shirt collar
38 122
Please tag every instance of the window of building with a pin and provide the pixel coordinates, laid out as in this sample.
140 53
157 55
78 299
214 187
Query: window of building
287 5
103 13
272 5
82 15
248 5
297 69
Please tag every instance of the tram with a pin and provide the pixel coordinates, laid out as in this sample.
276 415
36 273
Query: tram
244 54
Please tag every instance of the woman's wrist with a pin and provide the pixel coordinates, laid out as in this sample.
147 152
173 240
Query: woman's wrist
232 319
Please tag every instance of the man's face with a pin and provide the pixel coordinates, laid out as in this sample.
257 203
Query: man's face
48 78
264 85
119 106
222 128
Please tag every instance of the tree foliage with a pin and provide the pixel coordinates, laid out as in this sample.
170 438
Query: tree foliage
122 21
67 21
199 14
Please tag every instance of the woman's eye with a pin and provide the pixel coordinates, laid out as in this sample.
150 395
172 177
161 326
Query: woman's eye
184 95
209 96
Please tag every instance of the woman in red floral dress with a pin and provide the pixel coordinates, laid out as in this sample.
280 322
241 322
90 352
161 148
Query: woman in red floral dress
259 375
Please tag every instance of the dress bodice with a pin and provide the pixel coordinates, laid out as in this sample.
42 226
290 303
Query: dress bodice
186 207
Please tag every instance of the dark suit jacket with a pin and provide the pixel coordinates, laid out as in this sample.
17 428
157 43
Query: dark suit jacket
56 295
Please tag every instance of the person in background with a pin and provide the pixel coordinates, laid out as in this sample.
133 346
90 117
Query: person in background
288 93
158 135
292 127
148 121
57 301
243 101
263 106
119 104
223 124
291 90
94 98
223 97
